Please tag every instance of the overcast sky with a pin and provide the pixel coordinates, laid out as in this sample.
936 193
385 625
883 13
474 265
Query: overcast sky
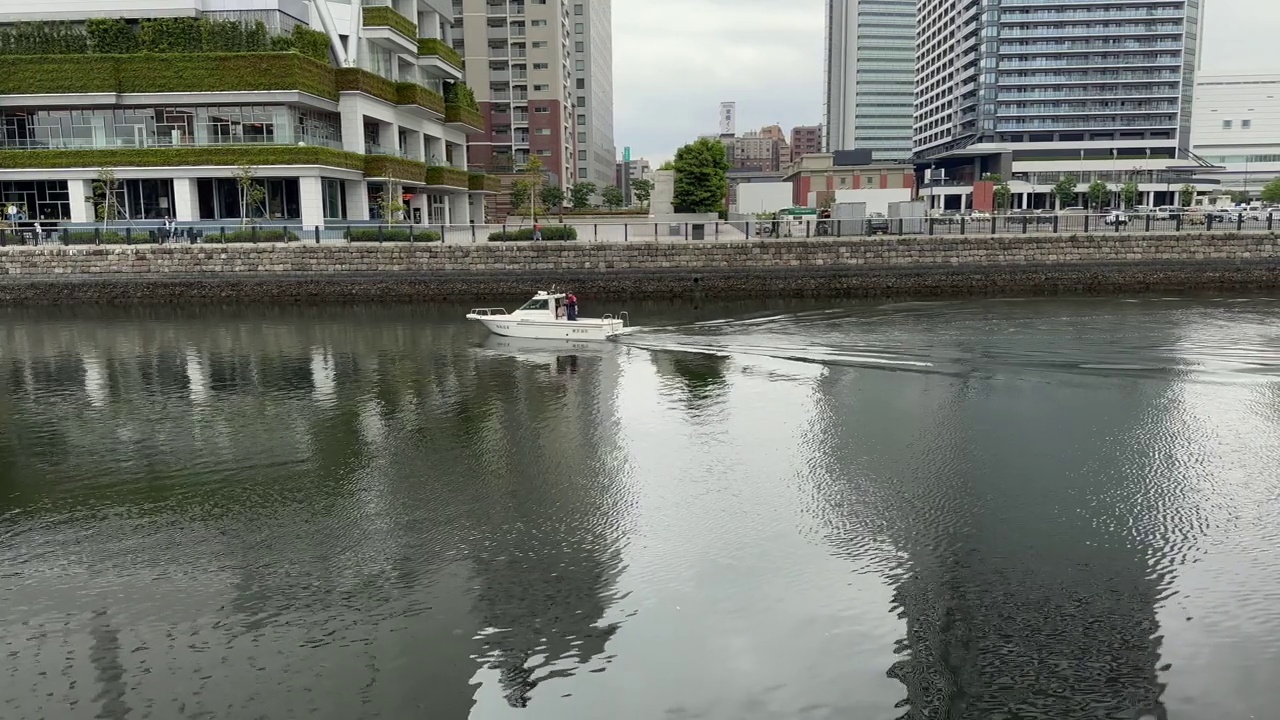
675 61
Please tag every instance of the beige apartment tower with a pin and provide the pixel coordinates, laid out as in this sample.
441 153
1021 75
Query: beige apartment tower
542 72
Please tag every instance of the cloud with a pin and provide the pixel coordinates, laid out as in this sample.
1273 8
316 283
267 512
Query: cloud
675 61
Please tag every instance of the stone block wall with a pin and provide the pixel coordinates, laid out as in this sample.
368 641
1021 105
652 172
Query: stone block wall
883 265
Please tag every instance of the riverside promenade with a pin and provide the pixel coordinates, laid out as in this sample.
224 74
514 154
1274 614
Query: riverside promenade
864 266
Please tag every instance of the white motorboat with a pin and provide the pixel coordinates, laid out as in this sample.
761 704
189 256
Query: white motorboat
545 317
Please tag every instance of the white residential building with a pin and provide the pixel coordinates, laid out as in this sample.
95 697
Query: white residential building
335 106
1236 124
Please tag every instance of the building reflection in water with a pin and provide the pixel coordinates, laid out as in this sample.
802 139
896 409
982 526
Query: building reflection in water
417 511
1027 587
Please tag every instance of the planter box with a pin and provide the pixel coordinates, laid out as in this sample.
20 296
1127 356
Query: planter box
479 182
448 177
383 16
432 46
466 117
377 166
221 156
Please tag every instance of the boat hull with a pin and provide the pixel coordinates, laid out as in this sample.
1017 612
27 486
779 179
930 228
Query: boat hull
583 329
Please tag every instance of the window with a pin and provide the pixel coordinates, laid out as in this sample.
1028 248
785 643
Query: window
538 23
541 109
582 84
537 44
334 199
1246 124
544 153
579 65
542 131
579 46
582 156
582 101
577 28
582 137
541 88
582 119
539 66
577 9
582 173
1226 124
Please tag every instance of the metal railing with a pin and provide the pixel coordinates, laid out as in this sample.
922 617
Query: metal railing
738 229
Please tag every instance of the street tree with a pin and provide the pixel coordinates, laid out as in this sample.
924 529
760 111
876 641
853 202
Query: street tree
390 201
252 193
553 199
1130 194
1065 191
642 189
580 194
702 183
1271 191
612 197
1098 192
1187 195
106 196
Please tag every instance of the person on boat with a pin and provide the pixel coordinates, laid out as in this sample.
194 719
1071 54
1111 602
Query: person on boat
560 309
571 304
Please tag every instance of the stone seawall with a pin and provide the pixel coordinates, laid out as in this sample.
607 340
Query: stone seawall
877 266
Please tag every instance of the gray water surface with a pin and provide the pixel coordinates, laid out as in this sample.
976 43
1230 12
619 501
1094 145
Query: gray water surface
978 510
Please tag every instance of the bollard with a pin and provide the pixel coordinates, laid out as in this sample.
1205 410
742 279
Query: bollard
625 235
1055 223
317 234
1270 217
1086 222
1208 222
1239 221
1177 222
1148 221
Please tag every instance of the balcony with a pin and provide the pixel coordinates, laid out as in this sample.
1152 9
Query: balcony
1091 30
1085 124
148 142
389 29
223 155
440 60
449 178
1089 62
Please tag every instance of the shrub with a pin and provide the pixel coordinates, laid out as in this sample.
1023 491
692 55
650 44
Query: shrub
448 177
432 46
357 80
388 234
550 233
110 36
106 237
465 116
458 93
257 234
228 156
43 39
311 43
383 16
408 93
379 166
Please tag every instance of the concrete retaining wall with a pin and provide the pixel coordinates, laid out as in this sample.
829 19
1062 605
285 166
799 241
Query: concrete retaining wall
877 266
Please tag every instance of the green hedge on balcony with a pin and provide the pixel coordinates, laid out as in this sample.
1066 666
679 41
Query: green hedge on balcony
465 116
230 156
214 72
432 46
383 16
357 80
480 182
415 94
377 166
448 176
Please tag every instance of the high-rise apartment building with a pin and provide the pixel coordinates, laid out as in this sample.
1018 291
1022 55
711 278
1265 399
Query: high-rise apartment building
870 76
543 75
1035 90
593 89
344 111
806 140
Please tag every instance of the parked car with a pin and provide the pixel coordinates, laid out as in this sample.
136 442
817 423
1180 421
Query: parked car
877 222
1116 217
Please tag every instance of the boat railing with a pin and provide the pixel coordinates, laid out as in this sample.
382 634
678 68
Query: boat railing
489 311
625 318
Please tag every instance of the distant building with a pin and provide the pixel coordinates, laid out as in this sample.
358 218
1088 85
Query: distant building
805 140
1236 124
870 74
640 169
827 173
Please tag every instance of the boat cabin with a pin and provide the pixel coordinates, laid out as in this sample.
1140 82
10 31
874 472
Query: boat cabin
543 306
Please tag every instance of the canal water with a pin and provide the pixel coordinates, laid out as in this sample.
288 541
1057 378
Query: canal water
979 510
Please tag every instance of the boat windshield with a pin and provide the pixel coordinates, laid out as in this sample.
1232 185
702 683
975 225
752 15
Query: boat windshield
536 304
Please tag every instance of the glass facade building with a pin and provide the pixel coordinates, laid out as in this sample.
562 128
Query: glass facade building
1062 71
870 76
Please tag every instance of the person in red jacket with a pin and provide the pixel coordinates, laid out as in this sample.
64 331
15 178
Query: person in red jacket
571 305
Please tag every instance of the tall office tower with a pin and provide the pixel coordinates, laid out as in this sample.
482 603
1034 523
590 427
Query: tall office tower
543 74
1037 89
870 76
344 110
593 89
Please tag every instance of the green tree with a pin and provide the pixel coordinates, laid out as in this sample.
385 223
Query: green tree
1187 195
520 193
701 180
668 165
106 196
533 175
1098 192
552 199
580 194
1271 191
1239 197
390 203
1130 194
252 193
1065 191
612 197
643 190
